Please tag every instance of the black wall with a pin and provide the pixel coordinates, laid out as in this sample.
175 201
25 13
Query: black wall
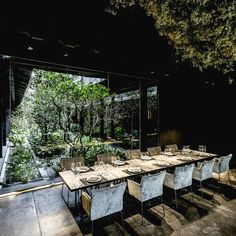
202 111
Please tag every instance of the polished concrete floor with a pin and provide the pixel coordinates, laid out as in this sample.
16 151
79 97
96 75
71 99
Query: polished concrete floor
43 212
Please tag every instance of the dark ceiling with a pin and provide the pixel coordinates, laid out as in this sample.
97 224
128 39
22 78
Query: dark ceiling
82 34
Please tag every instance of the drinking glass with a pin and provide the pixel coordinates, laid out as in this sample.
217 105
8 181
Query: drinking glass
185 149
113 159
202 148
73 167
101 168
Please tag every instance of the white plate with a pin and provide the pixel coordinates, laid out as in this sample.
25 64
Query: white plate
83 169
134 170
168 153
118 162
186 158
94 178
146 158
162 163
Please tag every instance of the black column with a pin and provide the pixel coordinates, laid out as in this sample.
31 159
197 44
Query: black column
5 100
2 74
1 109
158 116
143 116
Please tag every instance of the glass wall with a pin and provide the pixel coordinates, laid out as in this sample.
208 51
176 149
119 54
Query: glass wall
65 115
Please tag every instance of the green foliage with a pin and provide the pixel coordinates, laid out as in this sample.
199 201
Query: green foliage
100 149
202 31
18 131
49 150
22 167
68 106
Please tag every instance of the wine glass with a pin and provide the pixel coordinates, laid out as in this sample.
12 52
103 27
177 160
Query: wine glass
73 167
100 169
96 165
202 148
78 165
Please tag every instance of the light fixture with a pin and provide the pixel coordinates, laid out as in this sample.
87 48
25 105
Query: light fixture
30 48
152 72
96 51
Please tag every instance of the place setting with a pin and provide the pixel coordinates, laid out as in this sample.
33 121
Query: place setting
145 157
185 158
134 168
93 179
162 163
77 168
116 161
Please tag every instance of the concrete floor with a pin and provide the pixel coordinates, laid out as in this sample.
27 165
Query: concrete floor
43 212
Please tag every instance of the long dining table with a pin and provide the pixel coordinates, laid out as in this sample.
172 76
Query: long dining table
110 173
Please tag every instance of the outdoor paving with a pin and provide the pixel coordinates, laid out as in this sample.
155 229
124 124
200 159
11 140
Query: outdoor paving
37 213
43 212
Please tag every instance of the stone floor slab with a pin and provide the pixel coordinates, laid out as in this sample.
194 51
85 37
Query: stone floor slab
18 216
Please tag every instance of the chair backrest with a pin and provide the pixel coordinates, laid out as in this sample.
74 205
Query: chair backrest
105 157
173 147
65 163
153 151
132 154
206 169
106 201
183 176
224 163
152 186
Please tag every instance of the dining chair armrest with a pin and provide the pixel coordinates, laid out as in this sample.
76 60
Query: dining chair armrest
86 202
134 189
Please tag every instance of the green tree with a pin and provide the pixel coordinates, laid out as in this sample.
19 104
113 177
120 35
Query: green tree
201 31
72 106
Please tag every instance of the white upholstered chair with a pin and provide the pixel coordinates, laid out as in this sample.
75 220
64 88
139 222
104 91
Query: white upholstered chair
153 151
103 202
222 164
151 186
203 171
181 178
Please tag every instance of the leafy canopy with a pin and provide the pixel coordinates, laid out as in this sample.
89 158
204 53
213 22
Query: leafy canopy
201 31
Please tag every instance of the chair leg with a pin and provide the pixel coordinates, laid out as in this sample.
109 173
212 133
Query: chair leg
219 182
176 203
163 207
191 192
212 181
229 178
201 188
68 197
122 219
76 198
92 227
142 211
